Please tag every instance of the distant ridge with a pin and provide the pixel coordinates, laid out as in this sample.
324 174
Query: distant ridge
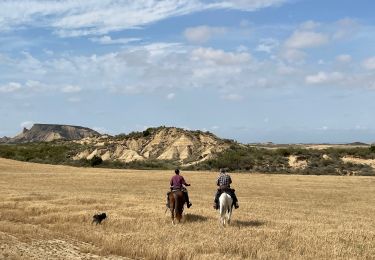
358 144
51 132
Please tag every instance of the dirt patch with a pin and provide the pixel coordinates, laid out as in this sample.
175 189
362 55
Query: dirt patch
12 248
296 162
369 162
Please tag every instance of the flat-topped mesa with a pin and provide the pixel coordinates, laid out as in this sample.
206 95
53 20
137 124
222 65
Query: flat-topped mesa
51 132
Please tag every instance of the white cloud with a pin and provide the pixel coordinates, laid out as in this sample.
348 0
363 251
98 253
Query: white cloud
10 87
35 86
27 124
158 67
267 45
293 55
71 18
74 99
306 39
28 86
324 77
283 69
309 25
232 97
108 40
242 48
220 57
48 52
248 5
202 34
344 58
171 96
167 68
71 89
345 28
369 63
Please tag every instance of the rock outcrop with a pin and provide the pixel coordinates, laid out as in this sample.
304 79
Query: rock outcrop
162 143
4 139
48 132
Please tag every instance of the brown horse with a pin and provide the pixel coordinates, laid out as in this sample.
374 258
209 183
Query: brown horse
176 204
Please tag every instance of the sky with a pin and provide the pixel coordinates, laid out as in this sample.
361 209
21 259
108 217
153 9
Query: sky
282 71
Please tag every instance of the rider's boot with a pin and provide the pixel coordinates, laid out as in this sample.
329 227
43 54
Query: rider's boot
235 200
216 201
188 204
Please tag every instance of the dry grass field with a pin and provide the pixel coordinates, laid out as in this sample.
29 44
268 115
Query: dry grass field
46 213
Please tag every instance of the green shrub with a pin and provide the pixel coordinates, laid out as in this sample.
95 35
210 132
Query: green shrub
146 132
95 161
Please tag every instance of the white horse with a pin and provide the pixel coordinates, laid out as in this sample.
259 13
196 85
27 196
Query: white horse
226 207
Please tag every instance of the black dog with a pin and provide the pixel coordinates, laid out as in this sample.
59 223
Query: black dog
98 218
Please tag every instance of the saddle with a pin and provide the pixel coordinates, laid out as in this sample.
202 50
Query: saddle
225 189
178 189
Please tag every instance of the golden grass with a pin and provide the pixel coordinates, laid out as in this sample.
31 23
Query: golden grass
46 212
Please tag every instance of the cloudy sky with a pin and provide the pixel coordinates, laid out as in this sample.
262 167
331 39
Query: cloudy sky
285 71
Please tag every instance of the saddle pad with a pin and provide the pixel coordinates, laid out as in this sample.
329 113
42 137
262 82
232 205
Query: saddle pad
176 190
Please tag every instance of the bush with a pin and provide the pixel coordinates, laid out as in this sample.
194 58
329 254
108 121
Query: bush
95 161
52 153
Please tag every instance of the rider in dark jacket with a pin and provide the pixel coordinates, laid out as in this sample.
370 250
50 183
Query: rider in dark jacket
224 181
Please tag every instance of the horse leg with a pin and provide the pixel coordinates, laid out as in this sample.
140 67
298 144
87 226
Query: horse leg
178 211
230 210
230 214
172 215
172 203
222 215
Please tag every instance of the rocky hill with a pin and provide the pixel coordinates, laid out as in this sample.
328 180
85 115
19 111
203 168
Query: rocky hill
50 132
162 143
4 139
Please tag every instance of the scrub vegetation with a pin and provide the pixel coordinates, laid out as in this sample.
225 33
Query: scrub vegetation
239 158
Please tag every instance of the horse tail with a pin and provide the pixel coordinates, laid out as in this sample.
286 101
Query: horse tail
179 204
222 202
175 203
172 205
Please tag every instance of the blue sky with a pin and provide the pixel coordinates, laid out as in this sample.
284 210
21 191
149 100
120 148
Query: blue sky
286 71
